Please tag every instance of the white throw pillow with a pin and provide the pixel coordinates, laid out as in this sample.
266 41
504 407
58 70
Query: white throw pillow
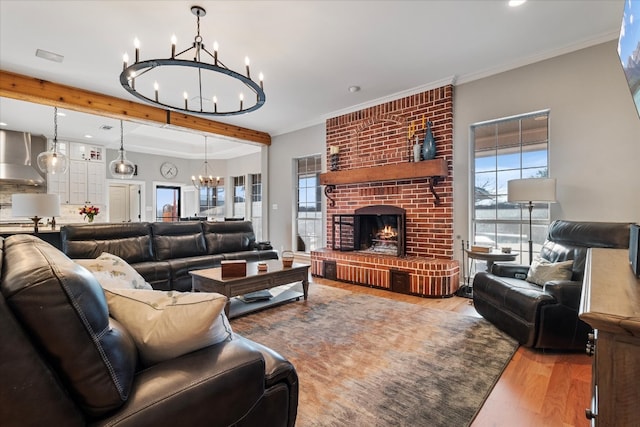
543 271
167 324
113 272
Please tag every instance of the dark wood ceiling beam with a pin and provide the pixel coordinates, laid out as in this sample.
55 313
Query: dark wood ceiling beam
25 88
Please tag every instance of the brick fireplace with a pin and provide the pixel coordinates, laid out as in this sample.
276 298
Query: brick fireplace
373 165
377 229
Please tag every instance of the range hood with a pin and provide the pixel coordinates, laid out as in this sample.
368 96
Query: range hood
15 159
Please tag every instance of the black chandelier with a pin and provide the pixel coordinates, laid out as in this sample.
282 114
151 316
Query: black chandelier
207 83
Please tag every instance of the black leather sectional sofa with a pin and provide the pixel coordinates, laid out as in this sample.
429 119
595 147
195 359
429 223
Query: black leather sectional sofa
65 362
164 252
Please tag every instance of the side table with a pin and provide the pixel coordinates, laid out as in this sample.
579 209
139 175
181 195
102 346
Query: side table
466 290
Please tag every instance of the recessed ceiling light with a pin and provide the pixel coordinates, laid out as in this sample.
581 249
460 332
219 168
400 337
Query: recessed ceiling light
50 56
3 124
60 114
354 89
516 3
88 136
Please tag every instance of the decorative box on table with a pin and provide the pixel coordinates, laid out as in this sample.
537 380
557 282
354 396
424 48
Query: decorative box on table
233 268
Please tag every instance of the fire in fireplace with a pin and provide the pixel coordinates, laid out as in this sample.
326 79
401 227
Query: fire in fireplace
378 229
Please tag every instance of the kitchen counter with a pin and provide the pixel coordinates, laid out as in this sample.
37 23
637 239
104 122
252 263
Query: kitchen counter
44 232
19 229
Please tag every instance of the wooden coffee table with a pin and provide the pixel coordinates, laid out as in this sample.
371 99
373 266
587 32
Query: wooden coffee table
210 280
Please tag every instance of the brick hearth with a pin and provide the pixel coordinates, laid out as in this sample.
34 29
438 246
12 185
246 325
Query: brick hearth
378 136
427 277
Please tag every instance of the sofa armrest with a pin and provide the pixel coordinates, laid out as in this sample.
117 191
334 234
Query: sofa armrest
510 270
279 370
566 292
214 386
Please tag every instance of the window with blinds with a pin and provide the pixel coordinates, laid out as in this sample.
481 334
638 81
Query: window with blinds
505 149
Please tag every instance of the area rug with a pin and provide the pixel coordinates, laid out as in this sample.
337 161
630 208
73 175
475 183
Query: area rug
369 361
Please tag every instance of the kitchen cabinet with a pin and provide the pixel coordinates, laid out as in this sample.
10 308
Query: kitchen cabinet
84 182
59 184
88 152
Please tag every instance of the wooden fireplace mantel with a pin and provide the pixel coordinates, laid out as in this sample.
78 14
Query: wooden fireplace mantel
432 169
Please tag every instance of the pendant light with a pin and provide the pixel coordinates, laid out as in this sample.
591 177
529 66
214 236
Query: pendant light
204 179
53 161
121 167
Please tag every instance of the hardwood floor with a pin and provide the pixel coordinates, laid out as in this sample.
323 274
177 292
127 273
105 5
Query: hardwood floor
536 389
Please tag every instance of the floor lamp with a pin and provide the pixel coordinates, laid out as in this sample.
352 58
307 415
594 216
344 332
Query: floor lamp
530 191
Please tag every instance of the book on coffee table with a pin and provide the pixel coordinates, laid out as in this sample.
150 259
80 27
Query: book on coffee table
263 295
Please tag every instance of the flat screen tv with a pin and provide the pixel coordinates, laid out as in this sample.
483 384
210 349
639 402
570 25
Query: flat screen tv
629 48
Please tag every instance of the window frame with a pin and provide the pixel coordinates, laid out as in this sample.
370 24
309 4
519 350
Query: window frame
510 221
307 242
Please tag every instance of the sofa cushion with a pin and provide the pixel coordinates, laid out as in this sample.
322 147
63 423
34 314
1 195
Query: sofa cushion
156 273
543 271
178 240
27 377
229 236
113 272
63 308
590 234
168 324
570 239
130 241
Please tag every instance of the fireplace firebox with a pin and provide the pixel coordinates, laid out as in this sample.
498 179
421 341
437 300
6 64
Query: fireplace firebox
377 229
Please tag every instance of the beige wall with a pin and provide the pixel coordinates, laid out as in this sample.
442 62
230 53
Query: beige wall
595 138
594 132
282 152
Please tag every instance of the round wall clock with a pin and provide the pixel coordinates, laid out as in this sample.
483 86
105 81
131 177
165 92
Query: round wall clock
168 170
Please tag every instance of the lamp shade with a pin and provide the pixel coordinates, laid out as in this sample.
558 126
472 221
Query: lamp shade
34 205
531 190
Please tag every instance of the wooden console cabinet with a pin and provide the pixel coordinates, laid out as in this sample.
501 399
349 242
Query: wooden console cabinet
611 305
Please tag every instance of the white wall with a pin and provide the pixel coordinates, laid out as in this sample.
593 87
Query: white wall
282 152
594 132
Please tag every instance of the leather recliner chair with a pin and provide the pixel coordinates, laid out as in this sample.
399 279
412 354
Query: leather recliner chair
546 317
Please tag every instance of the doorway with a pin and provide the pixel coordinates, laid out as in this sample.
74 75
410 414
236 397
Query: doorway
125 202
167 203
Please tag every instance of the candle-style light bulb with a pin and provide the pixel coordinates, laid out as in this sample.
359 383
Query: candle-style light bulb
241 99
125 61
174 40
186 97
215 52
136 44
261 78
215 104
155 88
246 63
